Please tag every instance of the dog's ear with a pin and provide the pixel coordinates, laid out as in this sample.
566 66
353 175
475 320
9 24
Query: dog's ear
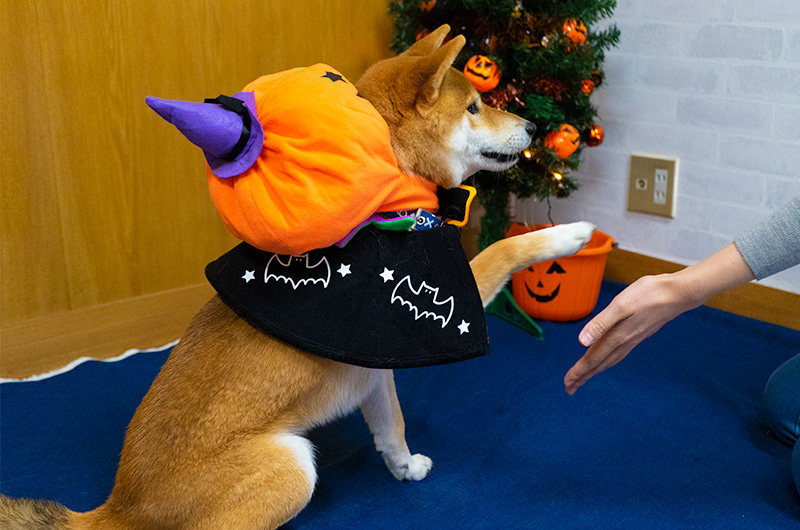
432 69
429 43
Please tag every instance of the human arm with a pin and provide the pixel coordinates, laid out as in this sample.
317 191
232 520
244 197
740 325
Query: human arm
649 303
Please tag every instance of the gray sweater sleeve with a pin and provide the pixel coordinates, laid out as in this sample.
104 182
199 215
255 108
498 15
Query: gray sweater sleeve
774 244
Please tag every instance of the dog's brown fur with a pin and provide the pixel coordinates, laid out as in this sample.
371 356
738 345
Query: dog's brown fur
216 443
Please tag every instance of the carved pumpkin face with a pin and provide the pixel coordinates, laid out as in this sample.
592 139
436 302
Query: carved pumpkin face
564 141
575 30
547 285
482 72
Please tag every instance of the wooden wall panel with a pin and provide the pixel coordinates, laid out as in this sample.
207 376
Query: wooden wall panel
101 199
104 208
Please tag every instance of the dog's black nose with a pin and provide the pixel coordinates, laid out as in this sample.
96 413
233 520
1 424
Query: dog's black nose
530 128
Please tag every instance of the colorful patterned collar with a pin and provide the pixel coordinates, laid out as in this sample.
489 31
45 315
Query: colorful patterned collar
454 205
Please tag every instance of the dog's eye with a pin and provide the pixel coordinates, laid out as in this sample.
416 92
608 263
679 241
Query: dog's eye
473 108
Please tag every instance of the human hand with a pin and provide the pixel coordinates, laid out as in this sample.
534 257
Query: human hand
649 303
635 314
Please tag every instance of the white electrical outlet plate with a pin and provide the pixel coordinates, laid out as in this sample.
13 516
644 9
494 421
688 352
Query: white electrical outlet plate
660 187
653 184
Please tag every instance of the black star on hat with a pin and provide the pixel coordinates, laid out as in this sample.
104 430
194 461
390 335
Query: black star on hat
334 77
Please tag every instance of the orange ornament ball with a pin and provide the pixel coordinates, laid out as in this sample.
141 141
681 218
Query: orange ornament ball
594 136
482 72
564 141
575 30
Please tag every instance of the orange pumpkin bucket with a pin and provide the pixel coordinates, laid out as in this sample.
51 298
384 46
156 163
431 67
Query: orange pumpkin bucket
564 289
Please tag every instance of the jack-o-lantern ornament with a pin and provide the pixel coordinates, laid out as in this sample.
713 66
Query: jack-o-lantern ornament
564 141
482 72
427 5
587 86
594 135
575 30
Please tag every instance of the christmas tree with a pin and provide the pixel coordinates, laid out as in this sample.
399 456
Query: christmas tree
539 59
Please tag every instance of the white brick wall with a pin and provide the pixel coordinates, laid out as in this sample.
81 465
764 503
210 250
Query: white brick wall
715 84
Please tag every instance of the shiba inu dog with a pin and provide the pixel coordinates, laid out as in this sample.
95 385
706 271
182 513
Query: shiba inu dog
217 442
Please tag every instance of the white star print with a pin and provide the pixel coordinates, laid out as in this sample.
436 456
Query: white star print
463 327
249 275
387 275
344 270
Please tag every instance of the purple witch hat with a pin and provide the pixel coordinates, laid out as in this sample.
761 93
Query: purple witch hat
225 128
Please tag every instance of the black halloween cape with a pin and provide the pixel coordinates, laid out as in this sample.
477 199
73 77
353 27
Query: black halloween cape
385 300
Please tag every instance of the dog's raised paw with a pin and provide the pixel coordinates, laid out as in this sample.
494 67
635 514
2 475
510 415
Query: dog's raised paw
570 238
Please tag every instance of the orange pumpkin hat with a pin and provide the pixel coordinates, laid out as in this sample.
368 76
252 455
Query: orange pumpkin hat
326 164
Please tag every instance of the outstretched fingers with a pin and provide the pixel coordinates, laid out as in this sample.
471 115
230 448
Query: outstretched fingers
608 338
597 358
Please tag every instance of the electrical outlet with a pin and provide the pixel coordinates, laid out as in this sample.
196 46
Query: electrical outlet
652 185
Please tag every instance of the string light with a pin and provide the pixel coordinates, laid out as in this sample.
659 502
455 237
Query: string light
558 176
527 154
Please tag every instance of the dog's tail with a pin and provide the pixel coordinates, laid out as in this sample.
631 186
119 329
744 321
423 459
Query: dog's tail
27 514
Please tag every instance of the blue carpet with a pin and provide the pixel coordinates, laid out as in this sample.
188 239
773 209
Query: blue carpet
670 438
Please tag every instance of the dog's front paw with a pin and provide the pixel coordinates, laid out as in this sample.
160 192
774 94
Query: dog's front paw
416 467
568 239
419 467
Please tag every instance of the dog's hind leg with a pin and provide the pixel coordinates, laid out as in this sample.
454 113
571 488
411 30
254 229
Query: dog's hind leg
272 479
382 411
